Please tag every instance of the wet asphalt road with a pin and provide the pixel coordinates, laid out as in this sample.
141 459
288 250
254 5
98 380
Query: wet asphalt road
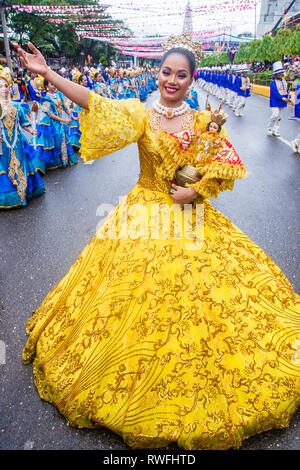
39 243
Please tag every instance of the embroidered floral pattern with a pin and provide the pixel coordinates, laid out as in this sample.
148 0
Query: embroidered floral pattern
9 121
158 342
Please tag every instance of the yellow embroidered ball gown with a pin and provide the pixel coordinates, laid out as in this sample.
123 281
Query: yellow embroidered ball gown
155 337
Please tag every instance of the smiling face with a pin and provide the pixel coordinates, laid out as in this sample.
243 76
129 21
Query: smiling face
213 127
51 88
4 89
83 80
174 79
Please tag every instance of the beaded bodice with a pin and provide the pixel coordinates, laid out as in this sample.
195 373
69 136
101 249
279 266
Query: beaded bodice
150 154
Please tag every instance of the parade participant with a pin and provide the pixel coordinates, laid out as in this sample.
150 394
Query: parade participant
142 86
213 80
231 92
237 87
90 75
192 98
121 93
35 87
125 83
18 89
100 86
221 92
19 178
75 75
26 77
297 102
114 89
163 335
296 142
243 92
134 93
279 98
83 81
74 130
227 85
54 149
152 80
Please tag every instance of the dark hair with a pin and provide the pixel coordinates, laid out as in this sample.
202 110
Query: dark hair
190 58
219 129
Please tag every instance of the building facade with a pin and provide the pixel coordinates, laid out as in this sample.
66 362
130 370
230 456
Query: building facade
271 12
188 21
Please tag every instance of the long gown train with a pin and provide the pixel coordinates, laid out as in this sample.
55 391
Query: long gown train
190 335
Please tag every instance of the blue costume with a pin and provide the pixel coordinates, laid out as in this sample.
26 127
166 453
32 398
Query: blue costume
279 93
278 90
143 88
16 91
53 143
75 133
297 102
192 100
19 177
133 89
100 89
33 89
125 84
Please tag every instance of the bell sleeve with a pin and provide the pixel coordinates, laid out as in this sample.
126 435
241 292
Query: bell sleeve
109 125
221 173
24 114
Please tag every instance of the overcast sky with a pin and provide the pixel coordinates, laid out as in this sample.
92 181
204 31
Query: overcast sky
165 17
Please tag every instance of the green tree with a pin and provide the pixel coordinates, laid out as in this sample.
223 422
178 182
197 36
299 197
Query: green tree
60 39
252 50
241 54
281 44
295 41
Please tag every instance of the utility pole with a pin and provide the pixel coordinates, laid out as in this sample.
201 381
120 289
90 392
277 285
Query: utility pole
255 23
5 37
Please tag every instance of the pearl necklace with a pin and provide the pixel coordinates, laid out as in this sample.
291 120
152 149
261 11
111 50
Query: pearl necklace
4 107
170 112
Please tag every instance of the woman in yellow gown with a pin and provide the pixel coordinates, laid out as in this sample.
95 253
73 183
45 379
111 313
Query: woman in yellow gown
166 335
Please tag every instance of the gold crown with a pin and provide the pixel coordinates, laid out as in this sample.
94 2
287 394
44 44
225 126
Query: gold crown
5 73
186 43
219 117
75 75
39 80
93 72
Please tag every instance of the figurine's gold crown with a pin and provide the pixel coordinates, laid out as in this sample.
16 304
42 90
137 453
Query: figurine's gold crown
186 43
219 117
5 73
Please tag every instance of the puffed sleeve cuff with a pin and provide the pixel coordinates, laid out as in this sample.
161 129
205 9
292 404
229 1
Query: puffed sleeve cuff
109 125
24 114
221 173
211 187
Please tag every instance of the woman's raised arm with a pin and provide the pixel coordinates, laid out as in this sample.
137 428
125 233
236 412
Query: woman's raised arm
35 62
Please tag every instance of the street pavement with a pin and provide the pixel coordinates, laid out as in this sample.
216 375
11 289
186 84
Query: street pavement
40 242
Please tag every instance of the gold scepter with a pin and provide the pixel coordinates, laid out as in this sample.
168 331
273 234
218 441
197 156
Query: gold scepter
34 111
